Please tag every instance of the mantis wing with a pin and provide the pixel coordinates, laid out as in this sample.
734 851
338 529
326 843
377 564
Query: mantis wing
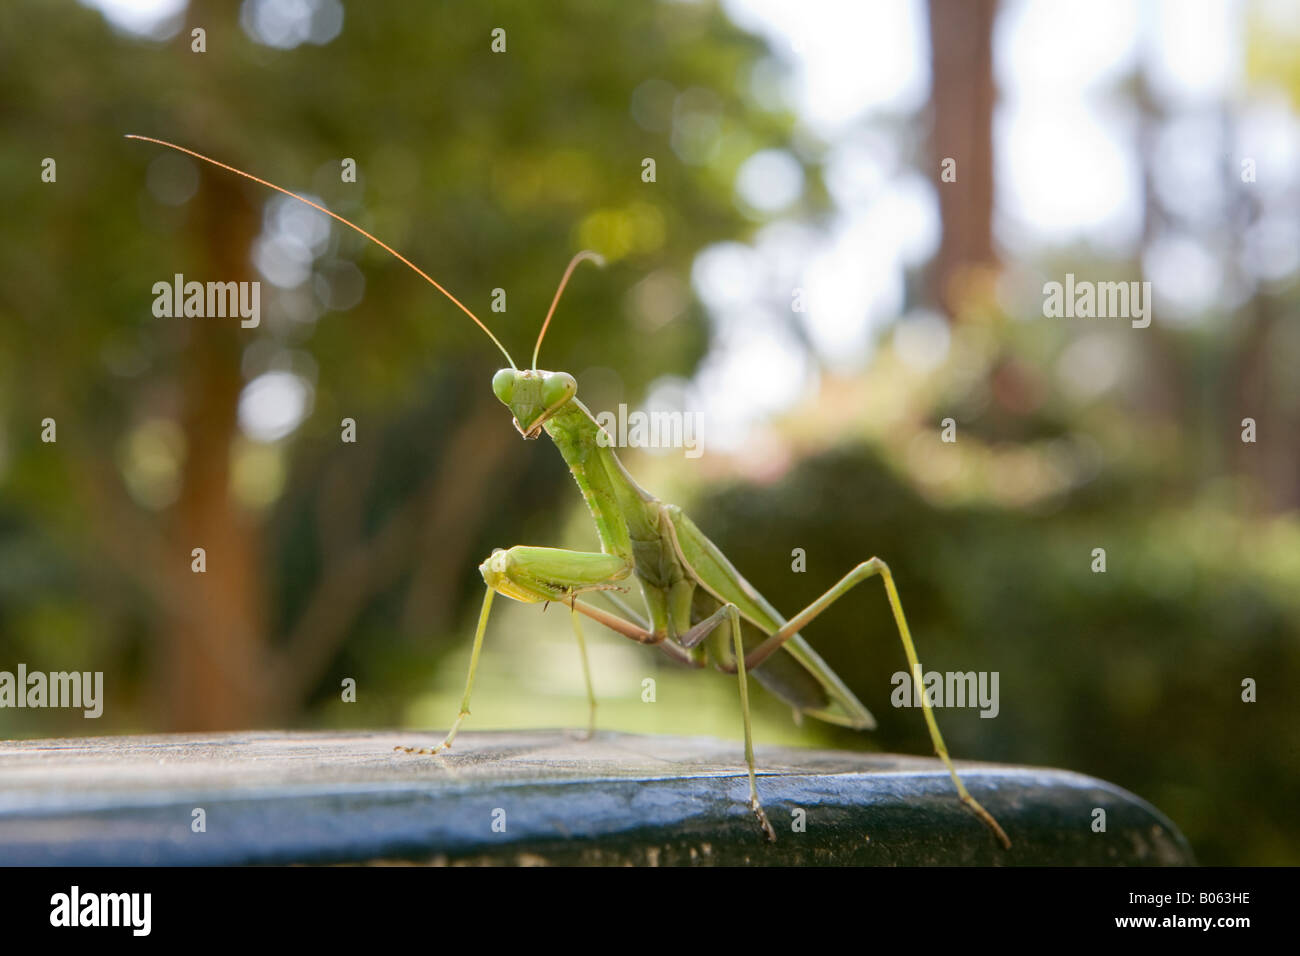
787 672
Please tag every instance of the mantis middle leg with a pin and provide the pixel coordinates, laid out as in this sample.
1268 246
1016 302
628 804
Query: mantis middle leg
697 633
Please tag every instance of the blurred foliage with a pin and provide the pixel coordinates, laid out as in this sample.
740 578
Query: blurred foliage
330 561
1133 675
489 169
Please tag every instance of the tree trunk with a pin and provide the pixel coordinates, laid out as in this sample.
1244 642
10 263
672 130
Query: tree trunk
962 98
214 639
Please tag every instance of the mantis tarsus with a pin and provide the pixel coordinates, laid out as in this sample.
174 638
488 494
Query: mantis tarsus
700 610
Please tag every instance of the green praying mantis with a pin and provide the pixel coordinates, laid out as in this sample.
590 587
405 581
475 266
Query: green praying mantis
698 608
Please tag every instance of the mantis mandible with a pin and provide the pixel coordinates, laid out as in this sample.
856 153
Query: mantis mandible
699 609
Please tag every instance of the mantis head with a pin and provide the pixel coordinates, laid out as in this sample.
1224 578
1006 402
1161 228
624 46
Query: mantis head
533 396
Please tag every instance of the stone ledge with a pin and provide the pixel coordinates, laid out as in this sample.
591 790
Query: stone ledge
281 798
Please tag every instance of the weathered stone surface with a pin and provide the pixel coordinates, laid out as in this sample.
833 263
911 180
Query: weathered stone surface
332 798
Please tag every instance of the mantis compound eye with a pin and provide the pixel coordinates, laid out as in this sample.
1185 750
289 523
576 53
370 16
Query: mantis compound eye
558 387
503 384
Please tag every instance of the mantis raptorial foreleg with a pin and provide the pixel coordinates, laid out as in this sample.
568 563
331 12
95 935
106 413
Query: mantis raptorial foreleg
533 575
862 572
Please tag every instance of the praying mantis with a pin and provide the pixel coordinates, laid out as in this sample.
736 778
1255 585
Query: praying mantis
698 608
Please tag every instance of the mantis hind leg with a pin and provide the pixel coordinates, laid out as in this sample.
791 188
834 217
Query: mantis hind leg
862 572
469 683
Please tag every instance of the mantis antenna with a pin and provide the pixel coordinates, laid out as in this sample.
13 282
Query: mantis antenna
573 264
351 225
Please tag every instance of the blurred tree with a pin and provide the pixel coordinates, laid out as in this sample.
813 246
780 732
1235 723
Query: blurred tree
489 168
962 97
